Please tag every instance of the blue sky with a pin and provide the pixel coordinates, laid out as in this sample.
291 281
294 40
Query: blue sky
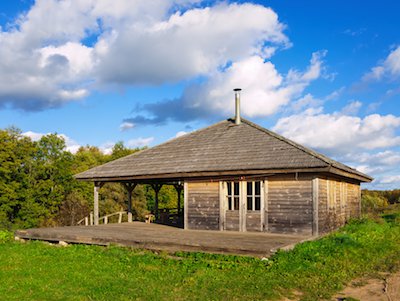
323 73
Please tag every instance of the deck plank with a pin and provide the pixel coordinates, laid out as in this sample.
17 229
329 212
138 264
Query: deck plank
170 239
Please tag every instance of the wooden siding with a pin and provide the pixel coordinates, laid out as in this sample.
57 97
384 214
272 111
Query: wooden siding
203 205
232 220
290 204
338 202
253 221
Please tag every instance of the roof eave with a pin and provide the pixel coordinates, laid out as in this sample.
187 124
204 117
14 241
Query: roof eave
202 174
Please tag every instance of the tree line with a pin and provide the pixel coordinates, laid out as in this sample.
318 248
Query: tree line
377 200
38 188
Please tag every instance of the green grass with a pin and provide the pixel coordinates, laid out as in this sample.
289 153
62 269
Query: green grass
318 269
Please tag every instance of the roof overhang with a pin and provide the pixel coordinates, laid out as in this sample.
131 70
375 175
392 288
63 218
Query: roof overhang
254 173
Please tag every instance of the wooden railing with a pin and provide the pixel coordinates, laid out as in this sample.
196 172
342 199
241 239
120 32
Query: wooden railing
166 216
89 221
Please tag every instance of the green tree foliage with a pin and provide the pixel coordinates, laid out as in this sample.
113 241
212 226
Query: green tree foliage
373 201
37 187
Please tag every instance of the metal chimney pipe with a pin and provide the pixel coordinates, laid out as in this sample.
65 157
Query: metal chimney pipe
237 105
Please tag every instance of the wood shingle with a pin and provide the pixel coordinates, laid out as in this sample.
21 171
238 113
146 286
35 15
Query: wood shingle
220 148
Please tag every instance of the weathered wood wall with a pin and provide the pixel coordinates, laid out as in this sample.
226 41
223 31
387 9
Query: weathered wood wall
203 205
253 221
232 220
338 202
290 204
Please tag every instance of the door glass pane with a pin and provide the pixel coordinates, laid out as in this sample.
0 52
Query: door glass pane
236 188
257 184
229 203
229 186
249 203
236 205
257 203
249 188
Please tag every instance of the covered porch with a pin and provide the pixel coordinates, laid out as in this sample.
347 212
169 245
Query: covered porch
167 216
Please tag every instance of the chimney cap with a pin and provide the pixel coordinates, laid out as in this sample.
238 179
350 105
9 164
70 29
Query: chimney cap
237 89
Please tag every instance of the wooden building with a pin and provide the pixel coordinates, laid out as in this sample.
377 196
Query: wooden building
239 176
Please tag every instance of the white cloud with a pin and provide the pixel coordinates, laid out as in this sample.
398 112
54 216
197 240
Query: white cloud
307 101
196 42
47 59
180 134
391 180
71 145
139 142
265 91
339 134
126 126
107 147
352 108
390 67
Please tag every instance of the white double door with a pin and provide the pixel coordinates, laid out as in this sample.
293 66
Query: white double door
242 205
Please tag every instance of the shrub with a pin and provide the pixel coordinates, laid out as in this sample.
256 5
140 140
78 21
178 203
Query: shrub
6 236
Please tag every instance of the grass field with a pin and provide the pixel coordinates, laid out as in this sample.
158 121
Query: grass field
316 270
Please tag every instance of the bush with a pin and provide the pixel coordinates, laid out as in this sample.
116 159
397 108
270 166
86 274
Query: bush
6 236
372 202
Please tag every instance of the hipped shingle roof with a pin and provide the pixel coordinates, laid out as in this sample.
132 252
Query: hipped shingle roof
222 147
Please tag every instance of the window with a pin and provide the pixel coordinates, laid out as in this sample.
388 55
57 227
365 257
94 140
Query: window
233 195
253 196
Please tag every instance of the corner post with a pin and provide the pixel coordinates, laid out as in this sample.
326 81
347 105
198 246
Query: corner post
185 205
315 199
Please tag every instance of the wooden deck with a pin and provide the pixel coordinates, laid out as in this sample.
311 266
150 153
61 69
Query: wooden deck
170 239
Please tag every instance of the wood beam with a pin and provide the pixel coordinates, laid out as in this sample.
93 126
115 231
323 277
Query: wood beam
179 188
97 186
156 187
129 188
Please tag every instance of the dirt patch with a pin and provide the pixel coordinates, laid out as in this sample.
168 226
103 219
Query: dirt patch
385 289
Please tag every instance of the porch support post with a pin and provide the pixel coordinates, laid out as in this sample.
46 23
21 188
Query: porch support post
179 188
315 199
157 188
97 186
185 206
129 188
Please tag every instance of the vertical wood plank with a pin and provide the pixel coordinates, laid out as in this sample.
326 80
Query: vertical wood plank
96 204
185 205
262 205
359 200
221 205
242 205
315 193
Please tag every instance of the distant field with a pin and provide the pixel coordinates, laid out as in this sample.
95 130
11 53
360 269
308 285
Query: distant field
37 271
